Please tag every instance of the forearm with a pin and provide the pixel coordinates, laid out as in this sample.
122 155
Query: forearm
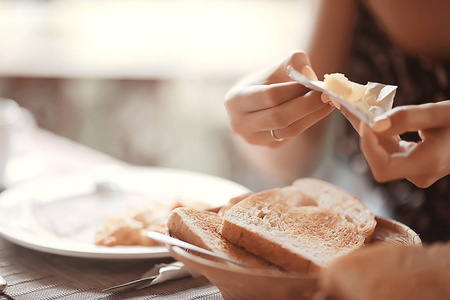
332 35
327 49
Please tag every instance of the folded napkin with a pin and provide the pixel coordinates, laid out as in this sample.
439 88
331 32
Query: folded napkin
166 272
158 274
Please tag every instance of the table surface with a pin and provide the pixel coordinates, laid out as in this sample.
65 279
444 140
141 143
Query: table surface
34 275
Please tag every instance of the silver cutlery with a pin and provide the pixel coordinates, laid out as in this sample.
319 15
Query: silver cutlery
132 284
158 274
182 244
146 281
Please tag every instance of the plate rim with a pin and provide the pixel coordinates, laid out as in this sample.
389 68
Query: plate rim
91 250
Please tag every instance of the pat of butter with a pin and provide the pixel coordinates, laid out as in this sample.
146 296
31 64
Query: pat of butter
340 85
366 102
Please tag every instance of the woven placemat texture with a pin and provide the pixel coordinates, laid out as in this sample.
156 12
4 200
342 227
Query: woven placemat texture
34 275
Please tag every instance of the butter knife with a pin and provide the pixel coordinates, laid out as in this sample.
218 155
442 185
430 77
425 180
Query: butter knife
182 244
132 284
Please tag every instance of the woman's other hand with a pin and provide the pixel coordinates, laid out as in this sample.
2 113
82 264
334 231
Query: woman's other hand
423 163
272 101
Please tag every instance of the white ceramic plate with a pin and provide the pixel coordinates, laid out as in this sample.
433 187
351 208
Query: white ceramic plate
37 214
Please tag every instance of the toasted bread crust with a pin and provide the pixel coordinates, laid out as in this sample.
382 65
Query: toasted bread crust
202 228
300 228
188 225
232 202
270 250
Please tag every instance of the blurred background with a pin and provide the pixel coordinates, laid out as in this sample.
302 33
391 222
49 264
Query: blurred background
144 81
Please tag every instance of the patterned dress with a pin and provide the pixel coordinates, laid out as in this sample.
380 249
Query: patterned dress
374 58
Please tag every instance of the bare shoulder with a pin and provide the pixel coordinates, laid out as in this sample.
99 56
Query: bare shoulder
415 26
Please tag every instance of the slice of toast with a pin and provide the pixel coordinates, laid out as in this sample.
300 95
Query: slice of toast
301 227
330 196
202 228
232 202
402 272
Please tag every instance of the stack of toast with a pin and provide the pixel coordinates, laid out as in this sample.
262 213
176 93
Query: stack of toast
299 228
313 227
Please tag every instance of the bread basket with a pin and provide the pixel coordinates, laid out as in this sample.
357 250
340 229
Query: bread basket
235 282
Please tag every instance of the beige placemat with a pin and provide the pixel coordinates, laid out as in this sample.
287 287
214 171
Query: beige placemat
35 275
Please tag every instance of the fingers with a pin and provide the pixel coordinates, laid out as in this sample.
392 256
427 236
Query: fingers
299 61
309 72
395 159
325 98
421 163
424 181
277 117
352 119
275 89
285 114
376 157
414 118
302 124
260 97
275 102
294 129
383 166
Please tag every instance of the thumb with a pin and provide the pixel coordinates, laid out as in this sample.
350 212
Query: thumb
309 72
300 62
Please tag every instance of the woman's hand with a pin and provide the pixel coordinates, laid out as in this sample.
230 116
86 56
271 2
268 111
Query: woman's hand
270 109
422 163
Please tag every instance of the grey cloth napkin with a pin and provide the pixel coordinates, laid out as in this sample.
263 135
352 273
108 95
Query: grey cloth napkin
160 273
166 272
